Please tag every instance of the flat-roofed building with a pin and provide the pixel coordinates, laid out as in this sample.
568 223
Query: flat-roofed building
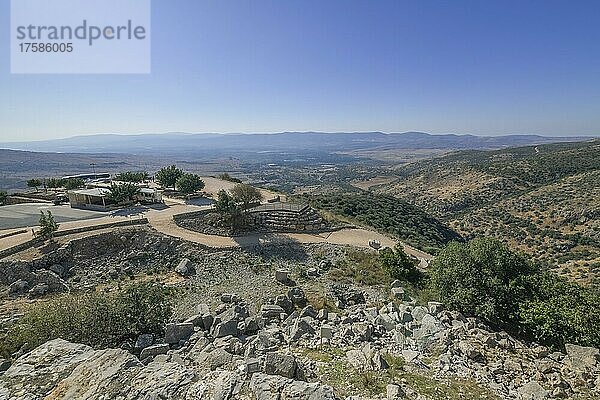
91 199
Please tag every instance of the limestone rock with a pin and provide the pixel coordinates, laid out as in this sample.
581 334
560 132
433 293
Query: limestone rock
176 332
280 364
153 351
185 268
582 357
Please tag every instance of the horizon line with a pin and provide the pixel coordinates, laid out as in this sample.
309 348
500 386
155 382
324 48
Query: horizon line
590 135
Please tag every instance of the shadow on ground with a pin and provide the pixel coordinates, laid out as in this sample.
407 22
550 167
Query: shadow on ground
273 246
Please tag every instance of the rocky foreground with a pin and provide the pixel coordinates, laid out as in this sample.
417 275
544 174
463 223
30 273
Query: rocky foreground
288 350
247 331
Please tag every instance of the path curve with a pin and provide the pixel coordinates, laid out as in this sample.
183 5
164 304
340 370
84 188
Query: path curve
162 221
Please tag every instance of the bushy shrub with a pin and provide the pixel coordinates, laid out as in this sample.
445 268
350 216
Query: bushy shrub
484 278
97 319
399 265
560 312
227 177
47 225
360 267
481 277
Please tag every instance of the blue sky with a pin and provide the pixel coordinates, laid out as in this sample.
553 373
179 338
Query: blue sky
480 67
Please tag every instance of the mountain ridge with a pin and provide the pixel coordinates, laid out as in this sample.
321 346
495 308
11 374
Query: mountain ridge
183 143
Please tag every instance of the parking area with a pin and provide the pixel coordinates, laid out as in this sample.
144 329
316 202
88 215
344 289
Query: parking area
23 215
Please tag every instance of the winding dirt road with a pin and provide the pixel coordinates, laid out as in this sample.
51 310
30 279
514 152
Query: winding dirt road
161 219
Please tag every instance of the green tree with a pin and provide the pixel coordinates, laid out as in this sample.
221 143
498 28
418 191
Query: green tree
73 183
189 183
34 183
53 183
47 225
560 312
3 197
398 264
123 193
132 176
483 278
167 176
228 209
246 195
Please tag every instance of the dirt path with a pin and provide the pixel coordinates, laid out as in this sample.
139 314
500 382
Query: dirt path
162 221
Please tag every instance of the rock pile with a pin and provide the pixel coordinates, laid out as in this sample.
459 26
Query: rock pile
232 353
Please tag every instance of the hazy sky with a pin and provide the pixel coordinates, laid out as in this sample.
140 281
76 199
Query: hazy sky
481 67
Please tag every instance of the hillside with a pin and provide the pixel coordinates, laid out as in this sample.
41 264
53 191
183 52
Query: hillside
543 199
387 214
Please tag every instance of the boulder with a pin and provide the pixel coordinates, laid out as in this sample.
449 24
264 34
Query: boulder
282 276
213 358
308 311
4 364
285 303
363 331
185 268
207 321
226 328
301 328
174 333
38 290
533 391
399 293
269 311
196 320
159 380
52 280
358 360
273 387
394 392
230 298
59 270
18 287
280 364
435 307
226 385
153 351
322 314
251 365
419 312
105 374
581 357
143 341
297 296
38 371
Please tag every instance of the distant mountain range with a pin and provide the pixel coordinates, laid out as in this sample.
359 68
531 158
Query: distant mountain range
187 143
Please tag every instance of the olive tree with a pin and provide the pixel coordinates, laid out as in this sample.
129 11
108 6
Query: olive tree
189 183
167 176
246 194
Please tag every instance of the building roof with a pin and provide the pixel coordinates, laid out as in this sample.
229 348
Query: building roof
95 192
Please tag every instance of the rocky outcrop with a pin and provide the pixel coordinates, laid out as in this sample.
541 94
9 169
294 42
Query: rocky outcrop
253 343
